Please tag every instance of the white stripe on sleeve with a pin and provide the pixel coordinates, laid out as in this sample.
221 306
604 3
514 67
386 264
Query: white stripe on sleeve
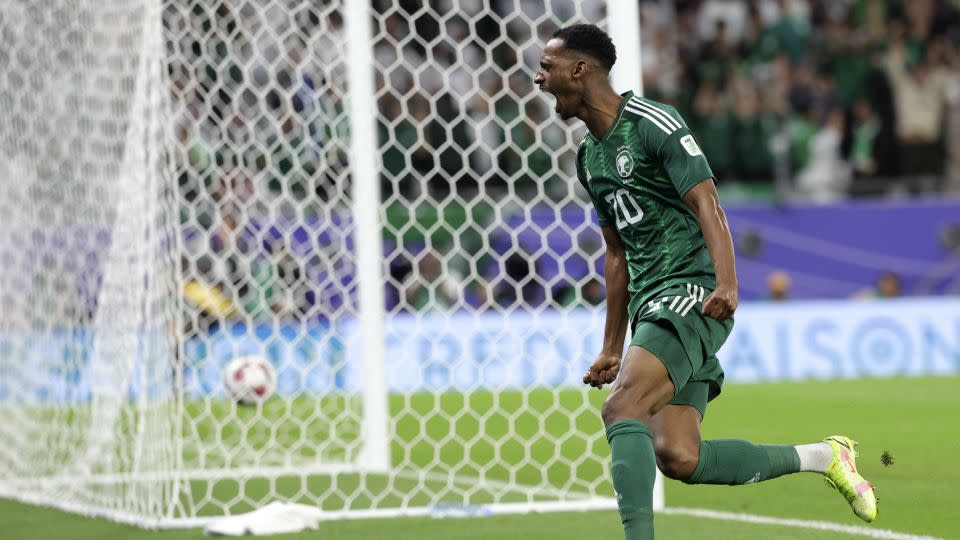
660 113
652 119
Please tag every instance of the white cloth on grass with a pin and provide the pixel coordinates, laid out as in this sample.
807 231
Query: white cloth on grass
274 518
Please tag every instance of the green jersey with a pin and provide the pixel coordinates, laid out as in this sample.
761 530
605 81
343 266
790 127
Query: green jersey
637 176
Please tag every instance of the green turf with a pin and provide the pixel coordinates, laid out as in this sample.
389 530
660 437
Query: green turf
912 418
508 437
908 417
25 522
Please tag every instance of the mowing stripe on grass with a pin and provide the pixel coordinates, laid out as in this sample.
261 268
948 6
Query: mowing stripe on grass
799 523
493 484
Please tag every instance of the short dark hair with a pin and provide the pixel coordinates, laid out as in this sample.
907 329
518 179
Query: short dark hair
589 39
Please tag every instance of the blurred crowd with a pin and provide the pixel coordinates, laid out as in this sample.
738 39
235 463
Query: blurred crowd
798 99
823 99
459 111
261 97
807 99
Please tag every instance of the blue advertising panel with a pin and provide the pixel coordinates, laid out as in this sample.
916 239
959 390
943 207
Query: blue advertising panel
769 342
829 339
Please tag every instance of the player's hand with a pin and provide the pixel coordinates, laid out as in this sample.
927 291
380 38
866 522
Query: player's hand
721 303
603 371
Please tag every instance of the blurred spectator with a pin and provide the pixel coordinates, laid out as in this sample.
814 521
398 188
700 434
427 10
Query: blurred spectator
398 135
714 126
792 30
919 92
952 127
516 282
205 302
826 176
292 296
658 50
294 166
717 56
866 127
888 285
778 286
759 42
753 129
431 286
592 293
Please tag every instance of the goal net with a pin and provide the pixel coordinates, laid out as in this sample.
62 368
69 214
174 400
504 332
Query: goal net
376 200
88 243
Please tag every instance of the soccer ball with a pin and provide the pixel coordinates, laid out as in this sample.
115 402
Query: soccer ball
249 379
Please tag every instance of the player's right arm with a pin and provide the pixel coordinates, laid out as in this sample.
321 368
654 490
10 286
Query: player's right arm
605 367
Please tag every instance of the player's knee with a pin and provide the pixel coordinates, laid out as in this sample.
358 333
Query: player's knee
627 404
609 413
676 461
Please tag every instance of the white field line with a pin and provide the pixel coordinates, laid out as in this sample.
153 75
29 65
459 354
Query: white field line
857 530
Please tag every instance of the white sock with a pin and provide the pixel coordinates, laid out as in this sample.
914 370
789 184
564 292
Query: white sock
814 457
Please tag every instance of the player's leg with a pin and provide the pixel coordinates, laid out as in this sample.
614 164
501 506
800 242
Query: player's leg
676 440
642 388
678 445
681 454
691 345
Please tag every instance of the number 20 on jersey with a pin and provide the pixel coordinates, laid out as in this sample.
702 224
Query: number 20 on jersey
625 207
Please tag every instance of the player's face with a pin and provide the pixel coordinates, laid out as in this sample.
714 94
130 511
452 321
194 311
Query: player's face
557 76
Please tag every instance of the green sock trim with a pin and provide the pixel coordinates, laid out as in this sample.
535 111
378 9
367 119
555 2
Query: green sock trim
706 457
734 462
621 427
784 459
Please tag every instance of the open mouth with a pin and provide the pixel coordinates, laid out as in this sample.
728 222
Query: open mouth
556 100
556 105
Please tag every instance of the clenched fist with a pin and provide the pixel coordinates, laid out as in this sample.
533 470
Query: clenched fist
603 371
721 303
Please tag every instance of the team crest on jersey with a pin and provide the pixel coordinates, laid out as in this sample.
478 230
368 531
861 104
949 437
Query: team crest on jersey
624 163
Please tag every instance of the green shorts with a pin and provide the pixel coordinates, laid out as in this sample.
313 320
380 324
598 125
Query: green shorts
672 328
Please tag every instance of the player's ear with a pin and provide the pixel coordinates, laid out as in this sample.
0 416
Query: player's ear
579 69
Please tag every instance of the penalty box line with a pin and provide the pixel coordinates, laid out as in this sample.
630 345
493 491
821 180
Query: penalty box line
858 530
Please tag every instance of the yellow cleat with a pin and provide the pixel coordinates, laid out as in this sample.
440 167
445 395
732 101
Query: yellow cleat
842 475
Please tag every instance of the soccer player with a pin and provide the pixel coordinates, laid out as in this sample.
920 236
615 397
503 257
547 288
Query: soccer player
671 277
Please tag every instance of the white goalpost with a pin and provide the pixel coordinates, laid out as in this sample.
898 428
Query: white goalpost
366 202
371 196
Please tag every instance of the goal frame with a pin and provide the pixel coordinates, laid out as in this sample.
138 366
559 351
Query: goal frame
623 20
368 218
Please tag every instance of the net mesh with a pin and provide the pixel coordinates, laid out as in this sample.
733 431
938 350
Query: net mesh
87 237
179 196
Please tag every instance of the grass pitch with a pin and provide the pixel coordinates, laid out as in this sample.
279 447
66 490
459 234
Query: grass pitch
911 419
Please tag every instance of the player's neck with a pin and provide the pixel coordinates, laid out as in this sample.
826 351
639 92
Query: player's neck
599 109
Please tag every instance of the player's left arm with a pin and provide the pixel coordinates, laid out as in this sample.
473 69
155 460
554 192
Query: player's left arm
704 201
691 175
